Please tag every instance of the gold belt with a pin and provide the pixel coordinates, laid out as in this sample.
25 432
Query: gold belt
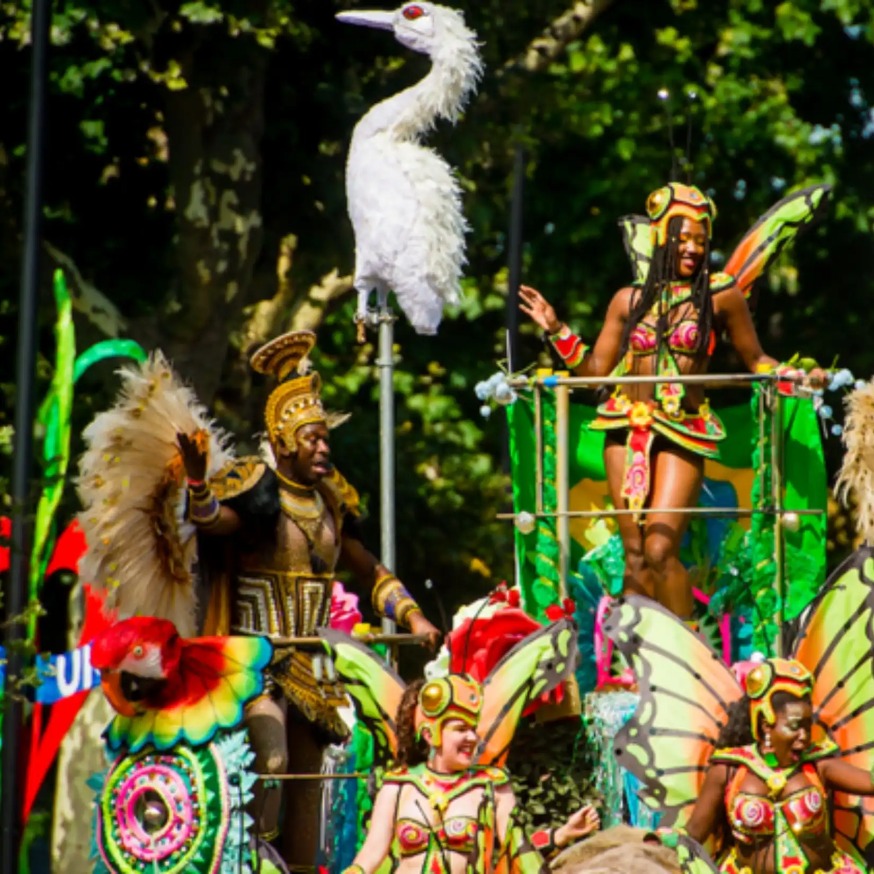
278 604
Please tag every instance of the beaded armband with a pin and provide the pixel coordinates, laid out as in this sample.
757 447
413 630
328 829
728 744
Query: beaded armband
391 599
203 506
569 346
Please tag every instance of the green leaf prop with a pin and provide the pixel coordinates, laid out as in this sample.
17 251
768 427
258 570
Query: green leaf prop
54 418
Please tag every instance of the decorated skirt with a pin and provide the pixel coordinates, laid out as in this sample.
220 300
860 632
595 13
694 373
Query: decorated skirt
698 432
841 863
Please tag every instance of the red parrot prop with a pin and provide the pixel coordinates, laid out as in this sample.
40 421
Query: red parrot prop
167 689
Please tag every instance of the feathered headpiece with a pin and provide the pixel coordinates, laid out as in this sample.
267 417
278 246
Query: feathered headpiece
676 199
296 401
770 677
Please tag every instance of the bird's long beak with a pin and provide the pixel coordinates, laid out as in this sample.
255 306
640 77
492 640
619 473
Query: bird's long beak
368 18
110 681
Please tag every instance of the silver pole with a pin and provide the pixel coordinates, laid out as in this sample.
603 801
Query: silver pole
713 380
385 362
777 504
538 447
562 495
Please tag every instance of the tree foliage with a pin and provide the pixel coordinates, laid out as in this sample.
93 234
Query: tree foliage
194 190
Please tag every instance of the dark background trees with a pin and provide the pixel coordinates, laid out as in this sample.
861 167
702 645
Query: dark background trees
194 193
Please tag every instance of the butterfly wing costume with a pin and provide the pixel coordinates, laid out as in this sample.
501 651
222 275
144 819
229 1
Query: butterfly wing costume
686 691
534 666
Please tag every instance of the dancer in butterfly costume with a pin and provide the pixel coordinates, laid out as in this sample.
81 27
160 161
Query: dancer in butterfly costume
770 773
665 324
447 806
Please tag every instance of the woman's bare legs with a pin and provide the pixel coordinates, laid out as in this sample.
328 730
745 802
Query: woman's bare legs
652 550
637 580
676 483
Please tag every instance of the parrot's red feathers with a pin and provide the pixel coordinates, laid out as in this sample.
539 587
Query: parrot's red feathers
167 689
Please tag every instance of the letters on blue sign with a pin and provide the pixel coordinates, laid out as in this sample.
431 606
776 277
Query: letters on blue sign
60 675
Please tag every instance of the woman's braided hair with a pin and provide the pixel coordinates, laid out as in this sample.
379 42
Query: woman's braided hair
662 271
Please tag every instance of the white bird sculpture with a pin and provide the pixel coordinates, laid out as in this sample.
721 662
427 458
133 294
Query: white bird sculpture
403 198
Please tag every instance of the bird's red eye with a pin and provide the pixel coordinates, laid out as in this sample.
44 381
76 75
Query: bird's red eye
411 13
138 652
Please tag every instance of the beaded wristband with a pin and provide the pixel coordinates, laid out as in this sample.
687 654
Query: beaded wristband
569 346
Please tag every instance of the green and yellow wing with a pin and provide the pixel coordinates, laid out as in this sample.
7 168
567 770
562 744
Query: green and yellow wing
836 643
637 238
534 666
764 241
376 690
685 693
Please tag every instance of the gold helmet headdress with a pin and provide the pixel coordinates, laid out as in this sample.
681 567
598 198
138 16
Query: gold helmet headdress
457 696
771 676
676 199
296 401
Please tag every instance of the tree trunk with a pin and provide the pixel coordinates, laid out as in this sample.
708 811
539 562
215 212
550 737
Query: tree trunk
214 129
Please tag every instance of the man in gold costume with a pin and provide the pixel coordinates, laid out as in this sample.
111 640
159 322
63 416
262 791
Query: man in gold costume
269 541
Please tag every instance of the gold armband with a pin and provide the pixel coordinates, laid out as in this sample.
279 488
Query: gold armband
203 506
391 599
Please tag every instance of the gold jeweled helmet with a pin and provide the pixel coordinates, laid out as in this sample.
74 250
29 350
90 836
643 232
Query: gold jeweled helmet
771 676
456 696
677 199
296 401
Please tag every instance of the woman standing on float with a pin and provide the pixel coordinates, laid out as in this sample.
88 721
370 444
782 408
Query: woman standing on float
658 435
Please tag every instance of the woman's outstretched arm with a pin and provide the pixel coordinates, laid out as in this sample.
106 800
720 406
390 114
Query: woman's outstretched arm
846 777
708 808
377 844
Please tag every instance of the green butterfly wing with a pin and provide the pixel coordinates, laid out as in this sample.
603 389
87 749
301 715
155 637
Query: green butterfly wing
375 689
693 858
836 643
685 693
637 237
534 666
767 237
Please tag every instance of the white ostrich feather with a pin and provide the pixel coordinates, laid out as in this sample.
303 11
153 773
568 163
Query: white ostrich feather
404 200
856 476
141 549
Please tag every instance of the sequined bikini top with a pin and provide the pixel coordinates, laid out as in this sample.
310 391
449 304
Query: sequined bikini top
753 817
454 833
457 833
682 339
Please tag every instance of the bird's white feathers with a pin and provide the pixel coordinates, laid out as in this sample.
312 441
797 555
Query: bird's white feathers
404 200
140 547
856 476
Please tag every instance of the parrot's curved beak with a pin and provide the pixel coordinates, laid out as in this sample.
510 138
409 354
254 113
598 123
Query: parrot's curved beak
368 18
110 681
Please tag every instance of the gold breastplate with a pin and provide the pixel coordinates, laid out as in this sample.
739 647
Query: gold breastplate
277 593
281 604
